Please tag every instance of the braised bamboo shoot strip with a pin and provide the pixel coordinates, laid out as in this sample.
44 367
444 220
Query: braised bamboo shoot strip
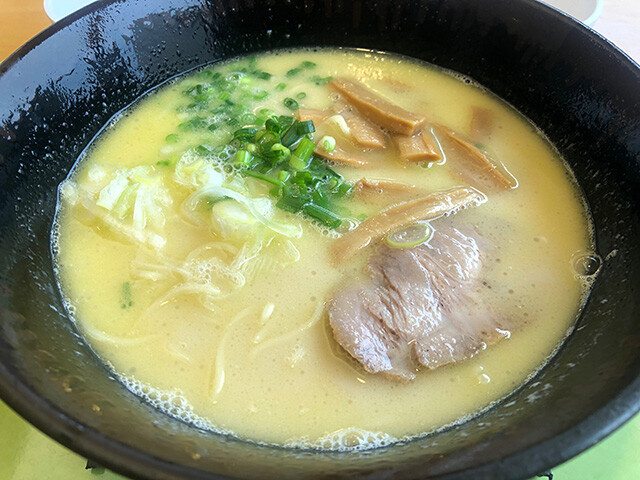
475 159
363 132
381 112
315 115
481 124
419 148
367 186
427 208
340 155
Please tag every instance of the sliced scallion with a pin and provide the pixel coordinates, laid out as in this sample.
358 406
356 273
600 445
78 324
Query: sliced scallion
172 138
410 236
322 215
290 103
266 178
305 149
328 143
243 157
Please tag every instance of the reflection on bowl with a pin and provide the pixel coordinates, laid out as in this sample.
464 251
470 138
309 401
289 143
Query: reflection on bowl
587 11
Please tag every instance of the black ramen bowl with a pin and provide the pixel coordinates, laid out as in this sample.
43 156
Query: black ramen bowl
58 91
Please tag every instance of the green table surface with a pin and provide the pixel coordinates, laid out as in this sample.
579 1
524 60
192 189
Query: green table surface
28 454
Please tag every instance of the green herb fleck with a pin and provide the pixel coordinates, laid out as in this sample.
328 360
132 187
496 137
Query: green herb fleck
290 103
318 80
125 295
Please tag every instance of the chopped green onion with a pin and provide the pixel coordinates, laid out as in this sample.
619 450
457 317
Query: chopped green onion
318 80
280 150
344 189
281 86
297 163
263 75
266 178
332 183
308 64
303 179
243 157
259 94
293 72
249 119
172 138
322 215
203 150
163 163
192 124
291 136
305 127
286 120
126 300
213 127
292 200
272 125
283 175
301 95
304 151
266 140
251 147
328 143
246 133
266 112
290 103
319 198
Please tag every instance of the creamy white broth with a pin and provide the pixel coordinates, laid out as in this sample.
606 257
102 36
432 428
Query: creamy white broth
284 380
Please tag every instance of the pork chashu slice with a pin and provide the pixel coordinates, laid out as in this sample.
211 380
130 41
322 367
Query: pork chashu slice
422 308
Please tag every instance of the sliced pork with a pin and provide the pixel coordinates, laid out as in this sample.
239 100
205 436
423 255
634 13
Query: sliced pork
421 308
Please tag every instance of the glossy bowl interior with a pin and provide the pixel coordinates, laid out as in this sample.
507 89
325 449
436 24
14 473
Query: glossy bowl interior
63 86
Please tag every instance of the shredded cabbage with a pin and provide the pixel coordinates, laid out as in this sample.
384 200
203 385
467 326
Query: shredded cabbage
212 185
131 204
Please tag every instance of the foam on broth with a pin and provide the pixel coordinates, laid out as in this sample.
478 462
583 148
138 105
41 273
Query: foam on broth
261 363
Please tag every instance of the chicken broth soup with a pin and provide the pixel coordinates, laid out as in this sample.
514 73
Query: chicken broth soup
329 249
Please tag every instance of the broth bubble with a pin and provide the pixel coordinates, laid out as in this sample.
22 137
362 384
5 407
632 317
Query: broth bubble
586 264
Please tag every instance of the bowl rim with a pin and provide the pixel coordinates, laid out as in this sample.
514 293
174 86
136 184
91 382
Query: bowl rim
134 463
